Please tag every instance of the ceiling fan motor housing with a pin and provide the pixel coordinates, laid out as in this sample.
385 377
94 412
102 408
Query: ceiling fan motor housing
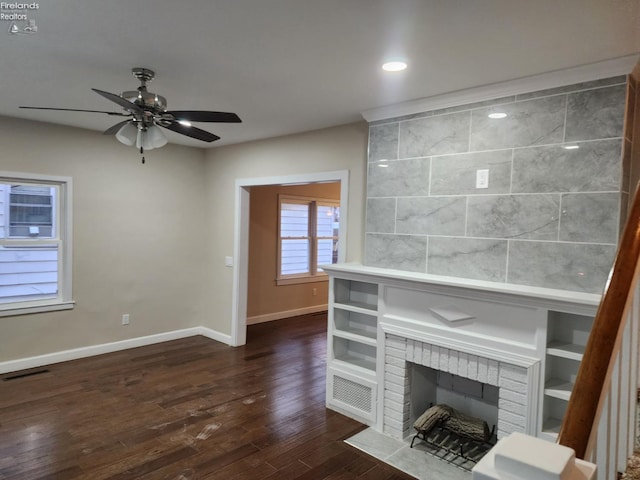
146 99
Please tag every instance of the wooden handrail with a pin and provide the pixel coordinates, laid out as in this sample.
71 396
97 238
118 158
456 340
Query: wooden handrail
594 375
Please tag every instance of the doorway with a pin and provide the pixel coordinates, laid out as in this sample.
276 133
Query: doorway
241 236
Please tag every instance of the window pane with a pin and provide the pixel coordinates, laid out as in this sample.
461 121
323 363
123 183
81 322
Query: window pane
294 220
31 210
294 257
328 220
28 273
325 251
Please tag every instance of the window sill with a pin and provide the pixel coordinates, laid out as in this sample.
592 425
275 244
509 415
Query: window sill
321 277
33 307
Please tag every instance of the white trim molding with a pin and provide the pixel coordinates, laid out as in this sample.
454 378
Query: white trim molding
269 317
558 78
83 352
400 327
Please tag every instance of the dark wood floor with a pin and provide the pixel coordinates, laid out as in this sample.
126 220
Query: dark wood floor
184 410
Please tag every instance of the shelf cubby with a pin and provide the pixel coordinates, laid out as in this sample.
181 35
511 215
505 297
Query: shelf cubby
554 410
567 334
361 295
355 323
354 353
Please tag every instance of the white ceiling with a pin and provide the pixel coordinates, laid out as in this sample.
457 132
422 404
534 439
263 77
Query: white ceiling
287 66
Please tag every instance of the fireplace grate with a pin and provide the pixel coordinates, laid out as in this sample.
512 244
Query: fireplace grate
456 449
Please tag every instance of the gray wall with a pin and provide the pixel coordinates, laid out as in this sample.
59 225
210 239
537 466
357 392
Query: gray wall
130 251
550 216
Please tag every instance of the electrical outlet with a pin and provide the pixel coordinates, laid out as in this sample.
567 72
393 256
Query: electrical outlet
125 319
482 178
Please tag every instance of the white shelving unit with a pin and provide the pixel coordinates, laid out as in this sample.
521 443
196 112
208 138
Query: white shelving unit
352 344
567 335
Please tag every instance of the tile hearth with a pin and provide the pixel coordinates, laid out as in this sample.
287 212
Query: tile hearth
413 461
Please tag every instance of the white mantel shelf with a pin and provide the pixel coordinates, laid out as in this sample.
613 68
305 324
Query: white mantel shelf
524 295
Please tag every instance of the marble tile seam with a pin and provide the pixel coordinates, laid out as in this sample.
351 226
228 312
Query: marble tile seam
489 150
559 192
509 239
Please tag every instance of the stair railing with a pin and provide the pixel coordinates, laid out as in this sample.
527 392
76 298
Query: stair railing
599 423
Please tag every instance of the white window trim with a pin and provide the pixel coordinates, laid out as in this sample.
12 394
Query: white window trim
313 275
64 299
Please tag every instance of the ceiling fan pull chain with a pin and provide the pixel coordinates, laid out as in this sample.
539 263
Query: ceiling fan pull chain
142 153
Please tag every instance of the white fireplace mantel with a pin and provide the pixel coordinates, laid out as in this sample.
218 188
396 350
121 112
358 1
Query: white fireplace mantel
524 295
505 328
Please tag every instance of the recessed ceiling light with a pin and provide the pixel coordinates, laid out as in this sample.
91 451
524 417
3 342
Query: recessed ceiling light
394 66
497 115
186 123
571 147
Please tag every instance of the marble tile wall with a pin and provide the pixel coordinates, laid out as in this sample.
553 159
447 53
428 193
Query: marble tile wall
550 216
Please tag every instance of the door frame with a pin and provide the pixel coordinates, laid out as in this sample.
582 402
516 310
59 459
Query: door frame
241 236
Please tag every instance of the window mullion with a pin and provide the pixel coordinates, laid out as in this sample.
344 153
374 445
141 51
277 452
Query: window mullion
313 237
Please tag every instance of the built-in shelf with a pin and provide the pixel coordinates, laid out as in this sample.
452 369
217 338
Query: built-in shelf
353 340
355 294
567 335
365 339
349 361
558 388
553 412
552 425
562 349
355 322
354 349
360 307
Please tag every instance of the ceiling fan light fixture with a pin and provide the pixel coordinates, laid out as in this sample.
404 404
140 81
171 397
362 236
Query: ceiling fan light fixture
150 139
127 134
155 137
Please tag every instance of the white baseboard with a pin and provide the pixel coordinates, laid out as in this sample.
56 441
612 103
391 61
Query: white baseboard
66 355
214 335
269 317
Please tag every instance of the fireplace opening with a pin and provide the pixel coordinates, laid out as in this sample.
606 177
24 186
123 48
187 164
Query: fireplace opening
457 415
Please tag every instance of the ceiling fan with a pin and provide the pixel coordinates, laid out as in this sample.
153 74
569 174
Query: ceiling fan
146 111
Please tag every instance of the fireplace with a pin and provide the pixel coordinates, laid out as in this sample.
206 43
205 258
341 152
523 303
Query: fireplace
454 417
430 387
496 389
498 346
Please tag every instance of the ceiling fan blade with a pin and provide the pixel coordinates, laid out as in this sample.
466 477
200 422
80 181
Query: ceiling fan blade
119 114
126 104
192 132
203 116
114 128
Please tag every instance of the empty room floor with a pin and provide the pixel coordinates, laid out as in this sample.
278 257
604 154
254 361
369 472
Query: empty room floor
187 409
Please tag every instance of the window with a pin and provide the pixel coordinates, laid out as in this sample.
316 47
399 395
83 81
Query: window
307 237
35 237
